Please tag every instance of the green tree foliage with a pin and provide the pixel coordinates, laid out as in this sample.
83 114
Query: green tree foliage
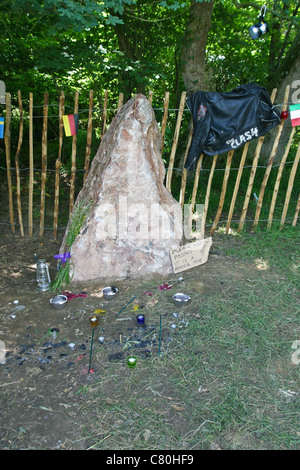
134 45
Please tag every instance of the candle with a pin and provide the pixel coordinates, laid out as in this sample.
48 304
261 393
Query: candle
101 339
140 319
94 320
131 361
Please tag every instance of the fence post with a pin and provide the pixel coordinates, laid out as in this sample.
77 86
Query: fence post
290 187
211 174
252 174
297 212
223 191
30 188
89 137
58 162
17 165
278 179
270 163
44 163
194 194
236 187
175 141
164 118
120 102
104 114
150 97
8 162
73 167
184 171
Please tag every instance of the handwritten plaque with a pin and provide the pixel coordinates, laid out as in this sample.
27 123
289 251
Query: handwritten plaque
190 255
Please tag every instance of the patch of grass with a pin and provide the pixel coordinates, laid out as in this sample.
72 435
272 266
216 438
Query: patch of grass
226 380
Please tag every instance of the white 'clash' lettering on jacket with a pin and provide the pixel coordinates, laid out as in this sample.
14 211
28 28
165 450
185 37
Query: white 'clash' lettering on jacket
243 138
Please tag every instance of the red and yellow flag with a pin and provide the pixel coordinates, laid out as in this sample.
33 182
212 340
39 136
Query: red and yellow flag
71 124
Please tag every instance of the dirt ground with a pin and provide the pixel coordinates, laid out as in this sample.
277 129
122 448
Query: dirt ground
41 375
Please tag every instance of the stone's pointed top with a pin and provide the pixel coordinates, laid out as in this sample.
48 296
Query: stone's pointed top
135 221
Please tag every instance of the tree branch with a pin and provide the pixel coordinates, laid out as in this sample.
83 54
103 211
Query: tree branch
292 20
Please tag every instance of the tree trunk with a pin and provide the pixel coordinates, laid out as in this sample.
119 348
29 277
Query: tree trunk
195 73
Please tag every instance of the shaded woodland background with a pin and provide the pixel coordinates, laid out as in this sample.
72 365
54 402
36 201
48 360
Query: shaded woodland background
140 45
131 46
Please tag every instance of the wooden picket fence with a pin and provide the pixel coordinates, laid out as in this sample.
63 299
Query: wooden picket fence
169 172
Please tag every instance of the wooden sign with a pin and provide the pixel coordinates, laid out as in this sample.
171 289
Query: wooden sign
190 255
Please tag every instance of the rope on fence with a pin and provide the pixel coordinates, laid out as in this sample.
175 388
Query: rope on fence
74 170
181 170
100 109
223 221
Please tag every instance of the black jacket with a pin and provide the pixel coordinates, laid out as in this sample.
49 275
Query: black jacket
226 121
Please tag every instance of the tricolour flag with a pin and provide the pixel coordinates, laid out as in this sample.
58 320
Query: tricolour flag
71 122
295 114
1 127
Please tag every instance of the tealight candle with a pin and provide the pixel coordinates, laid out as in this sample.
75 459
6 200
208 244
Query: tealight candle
140 319
94 320
131 361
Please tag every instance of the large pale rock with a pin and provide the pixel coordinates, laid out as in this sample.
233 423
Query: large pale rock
134 221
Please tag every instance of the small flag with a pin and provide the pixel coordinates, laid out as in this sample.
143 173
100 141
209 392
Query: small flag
295 114
71 123
1 127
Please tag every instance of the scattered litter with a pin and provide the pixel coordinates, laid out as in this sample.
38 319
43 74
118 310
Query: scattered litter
80 357
72 346
2 352
98 311
54 332
290 395
17 309
148 293
164 286
177 408
70 296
